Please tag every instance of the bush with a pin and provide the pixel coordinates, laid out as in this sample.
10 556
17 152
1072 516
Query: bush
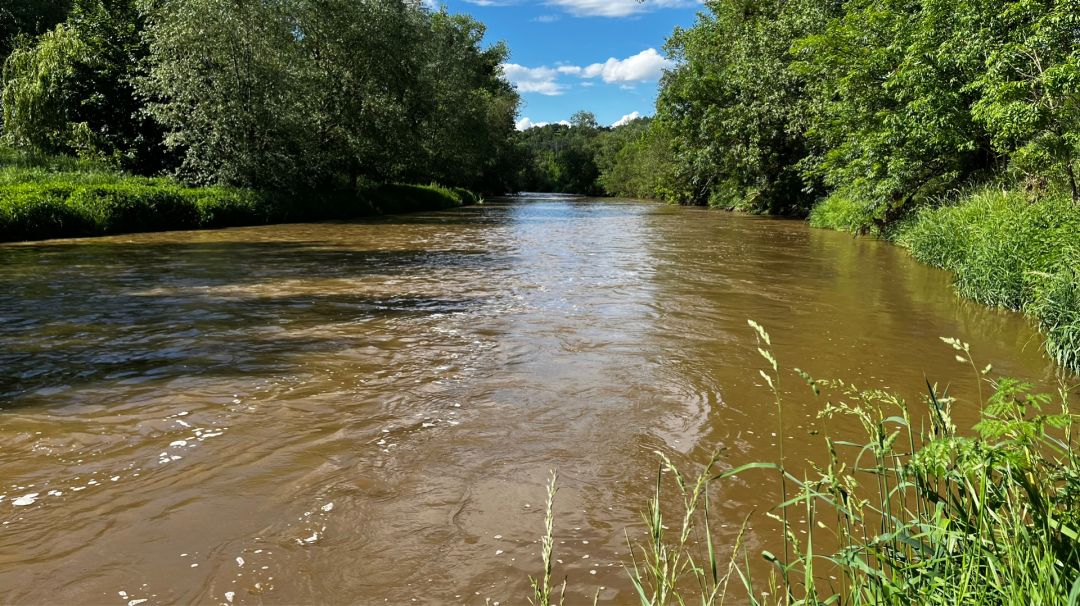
31 211
129 207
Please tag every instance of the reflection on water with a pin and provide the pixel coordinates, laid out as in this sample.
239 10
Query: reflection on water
367 412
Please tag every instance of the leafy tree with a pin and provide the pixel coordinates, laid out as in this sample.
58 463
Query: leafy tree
71 90
635 161
891 114
325 93
736 109
563 157
1030 89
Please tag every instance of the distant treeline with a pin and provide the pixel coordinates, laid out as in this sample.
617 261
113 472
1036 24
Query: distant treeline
586 158
296 95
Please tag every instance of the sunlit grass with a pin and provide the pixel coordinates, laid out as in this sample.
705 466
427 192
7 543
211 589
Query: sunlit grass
56 196
916 512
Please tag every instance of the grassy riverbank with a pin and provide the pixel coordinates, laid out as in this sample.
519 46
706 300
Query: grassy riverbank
1005 248
58 197
917 512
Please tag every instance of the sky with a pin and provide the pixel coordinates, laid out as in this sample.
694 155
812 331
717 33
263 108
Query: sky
603 56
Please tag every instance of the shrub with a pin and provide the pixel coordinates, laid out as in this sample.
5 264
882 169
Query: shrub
29 211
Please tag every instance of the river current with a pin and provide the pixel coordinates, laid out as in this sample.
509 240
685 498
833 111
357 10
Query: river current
368 412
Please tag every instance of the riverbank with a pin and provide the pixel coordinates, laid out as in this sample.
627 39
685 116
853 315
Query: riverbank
1004 248
60 197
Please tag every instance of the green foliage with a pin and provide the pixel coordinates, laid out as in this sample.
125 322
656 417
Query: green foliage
28 18
843 213
56 197
635 161
70 90
36 101
1008 251
917 513
561 158
1030 89
736 109
325 93
891 121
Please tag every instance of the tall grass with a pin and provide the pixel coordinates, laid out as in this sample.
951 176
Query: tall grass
1009 251
55 196
915 513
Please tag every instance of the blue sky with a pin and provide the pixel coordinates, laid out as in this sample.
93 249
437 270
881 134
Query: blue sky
604 56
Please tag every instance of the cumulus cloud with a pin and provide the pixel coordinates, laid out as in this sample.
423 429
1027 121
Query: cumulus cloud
617 8
525 124
627 119
646 65
540 80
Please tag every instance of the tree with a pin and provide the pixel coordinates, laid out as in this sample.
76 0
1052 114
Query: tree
735 108
1030 89
891 118
71 90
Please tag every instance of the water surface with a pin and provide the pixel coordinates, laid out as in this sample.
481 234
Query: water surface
367 412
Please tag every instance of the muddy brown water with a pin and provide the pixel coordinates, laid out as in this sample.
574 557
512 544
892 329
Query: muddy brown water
367 412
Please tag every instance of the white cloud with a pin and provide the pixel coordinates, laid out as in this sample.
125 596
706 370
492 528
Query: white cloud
627 119
533 79
646 65
526 123
617 8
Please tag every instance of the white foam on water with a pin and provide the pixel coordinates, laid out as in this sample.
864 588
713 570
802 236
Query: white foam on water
178 444
328 507
239 561
27 499
229 595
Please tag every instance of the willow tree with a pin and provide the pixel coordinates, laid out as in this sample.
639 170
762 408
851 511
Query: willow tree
71 89
38 112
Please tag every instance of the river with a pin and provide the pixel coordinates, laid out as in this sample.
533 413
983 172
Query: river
367 412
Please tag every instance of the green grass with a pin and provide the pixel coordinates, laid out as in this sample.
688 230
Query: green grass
842 213
58 197
1005 249
917 512
1008 251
